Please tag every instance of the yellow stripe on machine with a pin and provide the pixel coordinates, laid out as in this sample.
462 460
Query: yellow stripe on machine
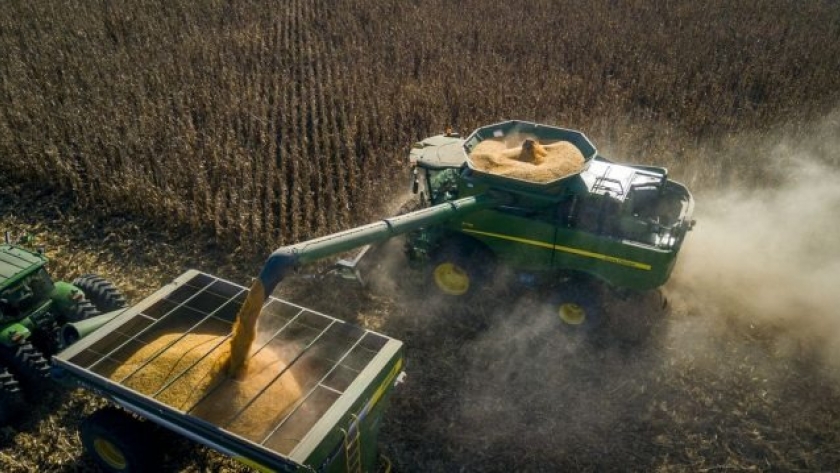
565 249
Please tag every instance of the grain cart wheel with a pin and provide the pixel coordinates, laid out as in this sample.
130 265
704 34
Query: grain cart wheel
11 397
119 442
101 292
460 267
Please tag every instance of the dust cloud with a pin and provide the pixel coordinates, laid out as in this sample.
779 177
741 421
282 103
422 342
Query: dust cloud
769 259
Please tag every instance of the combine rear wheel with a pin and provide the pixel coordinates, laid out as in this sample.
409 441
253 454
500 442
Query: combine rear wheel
460 267
577 304
101 292
11 397
119 442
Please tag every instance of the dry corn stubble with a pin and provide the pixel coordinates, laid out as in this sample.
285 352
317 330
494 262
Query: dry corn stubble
530 160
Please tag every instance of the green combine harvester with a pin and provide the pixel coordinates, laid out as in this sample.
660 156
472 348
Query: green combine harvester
601 229
489 201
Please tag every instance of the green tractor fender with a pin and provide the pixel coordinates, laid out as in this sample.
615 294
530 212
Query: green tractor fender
65 298
12 334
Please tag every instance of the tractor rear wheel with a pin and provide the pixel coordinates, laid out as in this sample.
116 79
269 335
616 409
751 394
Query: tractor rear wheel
460 267
11 397
81 310
119 442
101 292
29 366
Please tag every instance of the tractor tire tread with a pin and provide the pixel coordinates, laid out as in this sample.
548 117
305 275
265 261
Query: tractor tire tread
11 397
101 292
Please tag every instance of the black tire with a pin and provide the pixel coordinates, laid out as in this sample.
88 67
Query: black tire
119 442
101 292
11 398
81 310
30 368
460 268
578 306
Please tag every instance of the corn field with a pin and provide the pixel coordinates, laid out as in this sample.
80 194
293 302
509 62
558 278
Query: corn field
267 122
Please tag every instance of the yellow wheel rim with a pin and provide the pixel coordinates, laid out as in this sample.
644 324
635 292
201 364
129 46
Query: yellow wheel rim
571 313
451 279
110 453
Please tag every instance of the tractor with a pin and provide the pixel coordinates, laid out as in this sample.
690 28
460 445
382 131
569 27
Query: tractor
33 311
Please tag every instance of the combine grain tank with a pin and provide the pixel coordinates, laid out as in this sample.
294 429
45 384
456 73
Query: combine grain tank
313 397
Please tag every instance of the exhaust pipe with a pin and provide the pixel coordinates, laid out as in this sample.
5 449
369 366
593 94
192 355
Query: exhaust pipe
73 331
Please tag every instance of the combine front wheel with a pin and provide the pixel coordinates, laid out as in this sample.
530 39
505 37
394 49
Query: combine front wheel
460 267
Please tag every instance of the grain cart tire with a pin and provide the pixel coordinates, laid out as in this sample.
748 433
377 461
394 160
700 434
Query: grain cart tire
101 292
11 397
29 367
460 267
119 442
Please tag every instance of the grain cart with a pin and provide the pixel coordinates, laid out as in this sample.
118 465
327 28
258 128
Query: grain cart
33 309
313 399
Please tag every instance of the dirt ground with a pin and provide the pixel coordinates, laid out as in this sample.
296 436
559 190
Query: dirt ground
495 385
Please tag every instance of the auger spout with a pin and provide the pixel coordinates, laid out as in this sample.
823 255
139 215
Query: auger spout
287 258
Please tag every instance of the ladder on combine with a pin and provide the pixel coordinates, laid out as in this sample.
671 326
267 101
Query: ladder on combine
352 446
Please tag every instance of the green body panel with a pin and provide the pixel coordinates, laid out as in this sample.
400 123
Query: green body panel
331 456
